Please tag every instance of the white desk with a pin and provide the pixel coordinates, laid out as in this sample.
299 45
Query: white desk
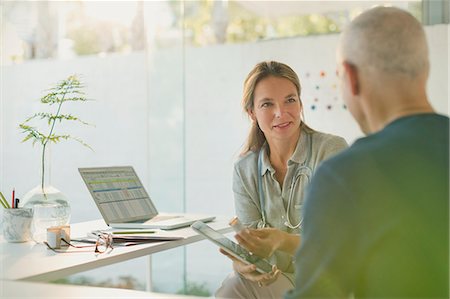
34 262
33 290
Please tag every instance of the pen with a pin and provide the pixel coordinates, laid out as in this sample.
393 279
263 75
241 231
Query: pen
3 201
84 241
17 203
134 232
13 196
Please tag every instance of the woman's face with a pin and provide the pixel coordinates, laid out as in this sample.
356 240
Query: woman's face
277 108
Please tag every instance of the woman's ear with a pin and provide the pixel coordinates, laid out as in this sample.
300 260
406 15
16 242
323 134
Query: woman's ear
251 113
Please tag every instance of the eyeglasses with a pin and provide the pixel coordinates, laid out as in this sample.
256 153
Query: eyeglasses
104 243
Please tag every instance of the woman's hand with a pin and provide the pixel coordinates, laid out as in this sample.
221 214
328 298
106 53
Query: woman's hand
248 271
264 242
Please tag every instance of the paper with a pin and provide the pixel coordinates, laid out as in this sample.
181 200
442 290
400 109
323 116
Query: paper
138 236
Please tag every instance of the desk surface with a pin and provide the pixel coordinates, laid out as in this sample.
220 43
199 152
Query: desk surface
34 262
32 290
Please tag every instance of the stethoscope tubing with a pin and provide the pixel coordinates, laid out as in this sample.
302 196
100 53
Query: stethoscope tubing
298 174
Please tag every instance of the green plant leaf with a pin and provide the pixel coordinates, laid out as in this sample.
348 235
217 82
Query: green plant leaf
82 142
51 117
32 133
65 90
70 90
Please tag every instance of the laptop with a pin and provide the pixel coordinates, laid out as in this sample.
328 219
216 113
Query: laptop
123 202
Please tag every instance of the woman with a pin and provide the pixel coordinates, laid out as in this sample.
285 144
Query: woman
270 177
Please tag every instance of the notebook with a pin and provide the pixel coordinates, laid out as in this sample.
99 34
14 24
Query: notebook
123 202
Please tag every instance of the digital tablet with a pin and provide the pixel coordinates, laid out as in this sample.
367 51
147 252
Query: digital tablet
234 249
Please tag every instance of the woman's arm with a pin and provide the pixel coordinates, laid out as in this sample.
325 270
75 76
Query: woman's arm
246 200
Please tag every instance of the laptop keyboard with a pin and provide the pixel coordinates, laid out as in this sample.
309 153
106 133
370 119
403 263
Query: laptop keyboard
164 217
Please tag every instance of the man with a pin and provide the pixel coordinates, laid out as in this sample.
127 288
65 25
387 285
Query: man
376 216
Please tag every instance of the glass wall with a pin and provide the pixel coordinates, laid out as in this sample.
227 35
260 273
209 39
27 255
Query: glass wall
62 30
159 103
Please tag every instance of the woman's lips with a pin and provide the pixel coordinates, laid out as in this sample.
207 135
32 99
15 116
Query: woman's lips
282 125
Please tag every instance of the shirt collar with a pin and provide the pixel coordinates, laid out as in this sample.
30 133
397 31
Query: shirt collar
299 156
301 150
265 162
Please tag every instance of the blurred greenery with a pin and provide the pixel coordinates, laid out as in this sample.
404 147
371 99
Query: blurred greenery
245 26
191 22
415 8
195 289
130 282
198 21
123 282
93 36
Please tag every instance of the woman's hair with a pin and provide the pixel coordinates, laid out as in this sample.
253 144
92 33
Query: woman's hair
262 70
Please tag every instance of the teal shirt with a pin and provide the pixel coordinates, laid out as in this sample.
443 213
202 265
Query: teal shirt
377 215
245 187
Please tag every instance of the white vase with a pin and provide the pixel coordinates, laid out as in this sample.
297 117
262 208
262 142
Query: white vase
50 208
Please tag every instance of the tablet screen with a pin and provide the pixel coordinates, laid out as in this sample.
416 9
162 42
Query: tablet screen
231 247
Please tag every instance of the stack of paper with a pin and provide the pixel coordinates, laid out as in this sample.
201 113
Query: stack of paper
138 236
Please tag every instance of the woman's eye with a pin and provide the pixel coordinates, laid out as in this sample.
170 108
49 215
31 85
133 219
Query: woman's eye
265 105
291 100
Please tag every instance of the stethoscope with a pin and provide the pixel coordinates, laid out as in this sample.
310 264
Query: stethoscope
302 170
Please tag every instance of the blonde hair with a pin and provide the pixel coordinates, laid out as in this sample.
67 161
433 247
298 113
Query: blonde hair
262 70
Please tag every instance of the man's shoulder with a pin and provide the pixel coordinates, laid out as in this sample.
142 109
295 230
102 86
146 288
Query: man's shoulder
350 158
387 144
428 123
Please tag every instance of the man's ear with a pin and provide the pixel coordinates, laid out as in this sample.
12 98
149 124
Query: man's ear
353 77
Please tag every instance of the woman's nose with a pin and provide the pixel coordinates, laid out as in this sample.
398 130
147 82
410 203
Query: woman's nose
279 110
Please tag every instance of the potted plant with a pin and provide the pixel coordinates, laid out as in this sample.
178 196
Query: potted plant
50 206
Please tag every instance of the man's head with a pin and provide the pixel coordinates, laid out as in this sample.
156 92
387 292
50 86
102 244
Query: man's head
382 53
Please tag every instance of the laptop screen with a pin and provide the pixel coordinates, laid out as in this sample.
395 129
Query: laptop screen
118 194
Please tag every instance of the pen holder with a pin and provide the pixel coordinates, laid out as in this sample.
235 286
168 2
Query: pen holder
17 224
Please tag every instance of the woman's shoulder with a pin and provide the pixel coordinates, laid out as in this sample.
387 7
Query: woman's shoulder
324 145
245 170
327 139
246 160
